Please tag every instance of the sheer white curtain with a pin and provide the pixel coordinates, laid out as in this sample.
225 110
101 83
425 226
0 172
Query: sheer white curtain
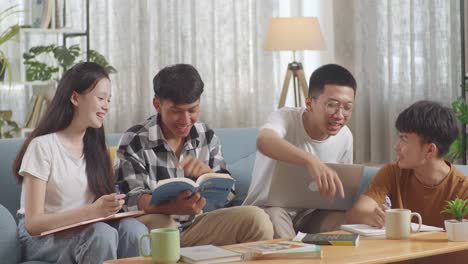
400 52
222 39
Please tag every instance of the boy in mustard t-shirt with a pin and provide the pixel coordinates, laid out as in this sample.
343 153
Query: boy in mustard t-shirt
421 180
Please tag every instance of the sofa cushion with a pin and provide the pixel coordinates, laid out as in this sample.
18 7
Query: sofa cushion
11 190
367 175
241 143
9 245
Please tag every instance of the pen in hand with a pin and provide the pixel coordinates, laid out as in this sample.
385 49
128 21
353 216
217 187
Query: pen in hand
117 193
388 202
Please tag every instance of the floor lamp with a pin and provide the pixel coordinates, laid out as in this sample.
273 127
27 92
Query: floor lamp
294 34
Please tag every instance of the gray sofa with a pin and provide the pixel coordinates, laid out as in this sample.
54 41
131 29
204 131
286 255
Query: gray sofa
239 151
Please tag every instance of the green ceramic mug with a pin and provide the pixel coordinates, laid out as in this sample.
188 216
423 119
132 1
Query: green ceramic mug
164 244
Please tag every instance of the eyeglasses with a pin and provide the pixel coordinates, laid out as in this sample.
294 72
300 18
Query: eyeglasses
332 107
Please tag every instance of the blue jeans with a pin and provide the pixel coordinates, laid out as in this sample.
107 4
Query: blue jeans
92 243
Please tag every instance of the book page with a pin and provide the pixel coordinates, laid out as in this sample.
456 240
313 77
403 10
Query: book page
364 230
184 180
367 230
212 175
100 219
426 228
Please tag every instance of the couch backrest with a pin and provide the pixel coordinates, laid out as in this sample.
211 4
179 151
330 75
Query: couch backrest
238 146
9 244
10 190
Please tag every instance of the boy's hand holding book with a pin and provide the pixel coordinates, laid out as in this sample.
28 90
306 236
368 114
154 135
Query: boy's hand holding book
214 187
184 204
188 196
188 204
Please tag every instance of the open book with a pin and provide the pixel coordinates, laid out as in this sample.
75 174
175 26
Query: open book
215 187
367 230
100 219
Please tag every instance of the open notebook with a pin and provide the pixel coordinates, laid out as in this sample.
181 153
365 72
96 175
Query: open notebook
366 230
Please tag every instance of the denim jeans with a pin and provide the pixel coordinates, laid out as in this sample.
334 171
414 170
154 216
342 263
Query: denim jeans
93 243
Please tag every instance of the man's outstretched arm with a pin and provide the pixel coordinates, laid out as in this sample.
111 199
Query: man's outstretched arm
275 147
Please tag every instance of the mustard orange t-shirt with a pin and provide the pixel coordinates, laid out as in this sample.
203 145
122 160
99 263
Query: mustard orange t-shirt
406 191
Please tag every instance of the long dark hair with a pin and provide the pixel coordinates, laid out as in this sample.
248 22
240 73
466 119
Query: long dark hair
81 78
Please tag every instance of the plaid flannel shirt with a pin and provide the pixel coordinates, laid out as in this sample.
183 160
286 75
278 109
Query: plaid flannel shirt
144 157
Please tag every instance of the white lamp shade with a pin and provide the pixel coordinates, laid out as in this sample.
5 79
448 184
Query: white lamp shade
294 33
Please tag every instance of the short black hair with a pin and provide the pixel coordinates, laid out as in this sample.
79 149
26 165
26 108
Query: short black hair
332 74
433 122
180 83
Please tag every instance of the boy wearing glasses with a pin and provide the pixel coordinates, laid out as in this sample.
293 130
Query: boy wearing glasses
307 136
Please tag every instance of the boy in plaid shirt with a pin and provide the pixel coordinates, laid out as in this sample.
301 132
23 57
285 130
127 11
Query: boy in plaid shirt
173 143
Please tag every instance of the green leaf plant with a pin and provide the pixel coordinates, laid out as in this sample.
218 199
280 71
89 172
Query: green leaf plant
460 108
62 56
6 35
458 208
8 127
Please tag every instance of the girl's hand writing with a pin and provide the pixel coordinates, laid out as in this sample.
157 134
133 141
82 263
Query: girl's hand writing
108 204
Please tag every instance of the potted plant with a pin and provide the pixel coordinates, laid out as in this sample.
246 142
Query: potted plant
460 108
64 58
8 127
6 35
457 229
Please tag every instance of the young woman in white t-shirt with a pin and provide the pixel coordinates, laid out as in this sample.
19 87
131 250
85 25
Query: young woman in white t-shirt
67 177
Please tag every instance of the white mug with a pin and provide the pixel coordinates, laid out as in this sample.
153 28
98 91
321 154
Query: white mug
398 223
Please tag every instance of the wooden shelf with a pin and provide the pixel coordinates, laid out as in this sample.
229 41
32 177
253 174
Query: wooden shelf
50 31
33 83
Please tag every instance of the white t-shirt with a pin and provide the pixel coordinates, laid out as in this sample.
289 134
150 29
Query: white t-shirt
287 122
67 183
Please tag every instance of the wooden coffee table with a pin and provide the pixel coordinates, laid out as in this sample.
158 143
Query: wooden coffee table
426 247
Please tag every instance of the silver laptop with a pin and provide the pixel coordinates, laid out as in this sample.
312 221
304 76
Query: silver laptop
293 187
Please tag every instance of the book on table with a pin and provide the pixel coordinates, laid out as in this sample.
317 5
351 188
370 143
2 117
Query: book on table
366 230
208 254
94 220
214 187
332 239
280 250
